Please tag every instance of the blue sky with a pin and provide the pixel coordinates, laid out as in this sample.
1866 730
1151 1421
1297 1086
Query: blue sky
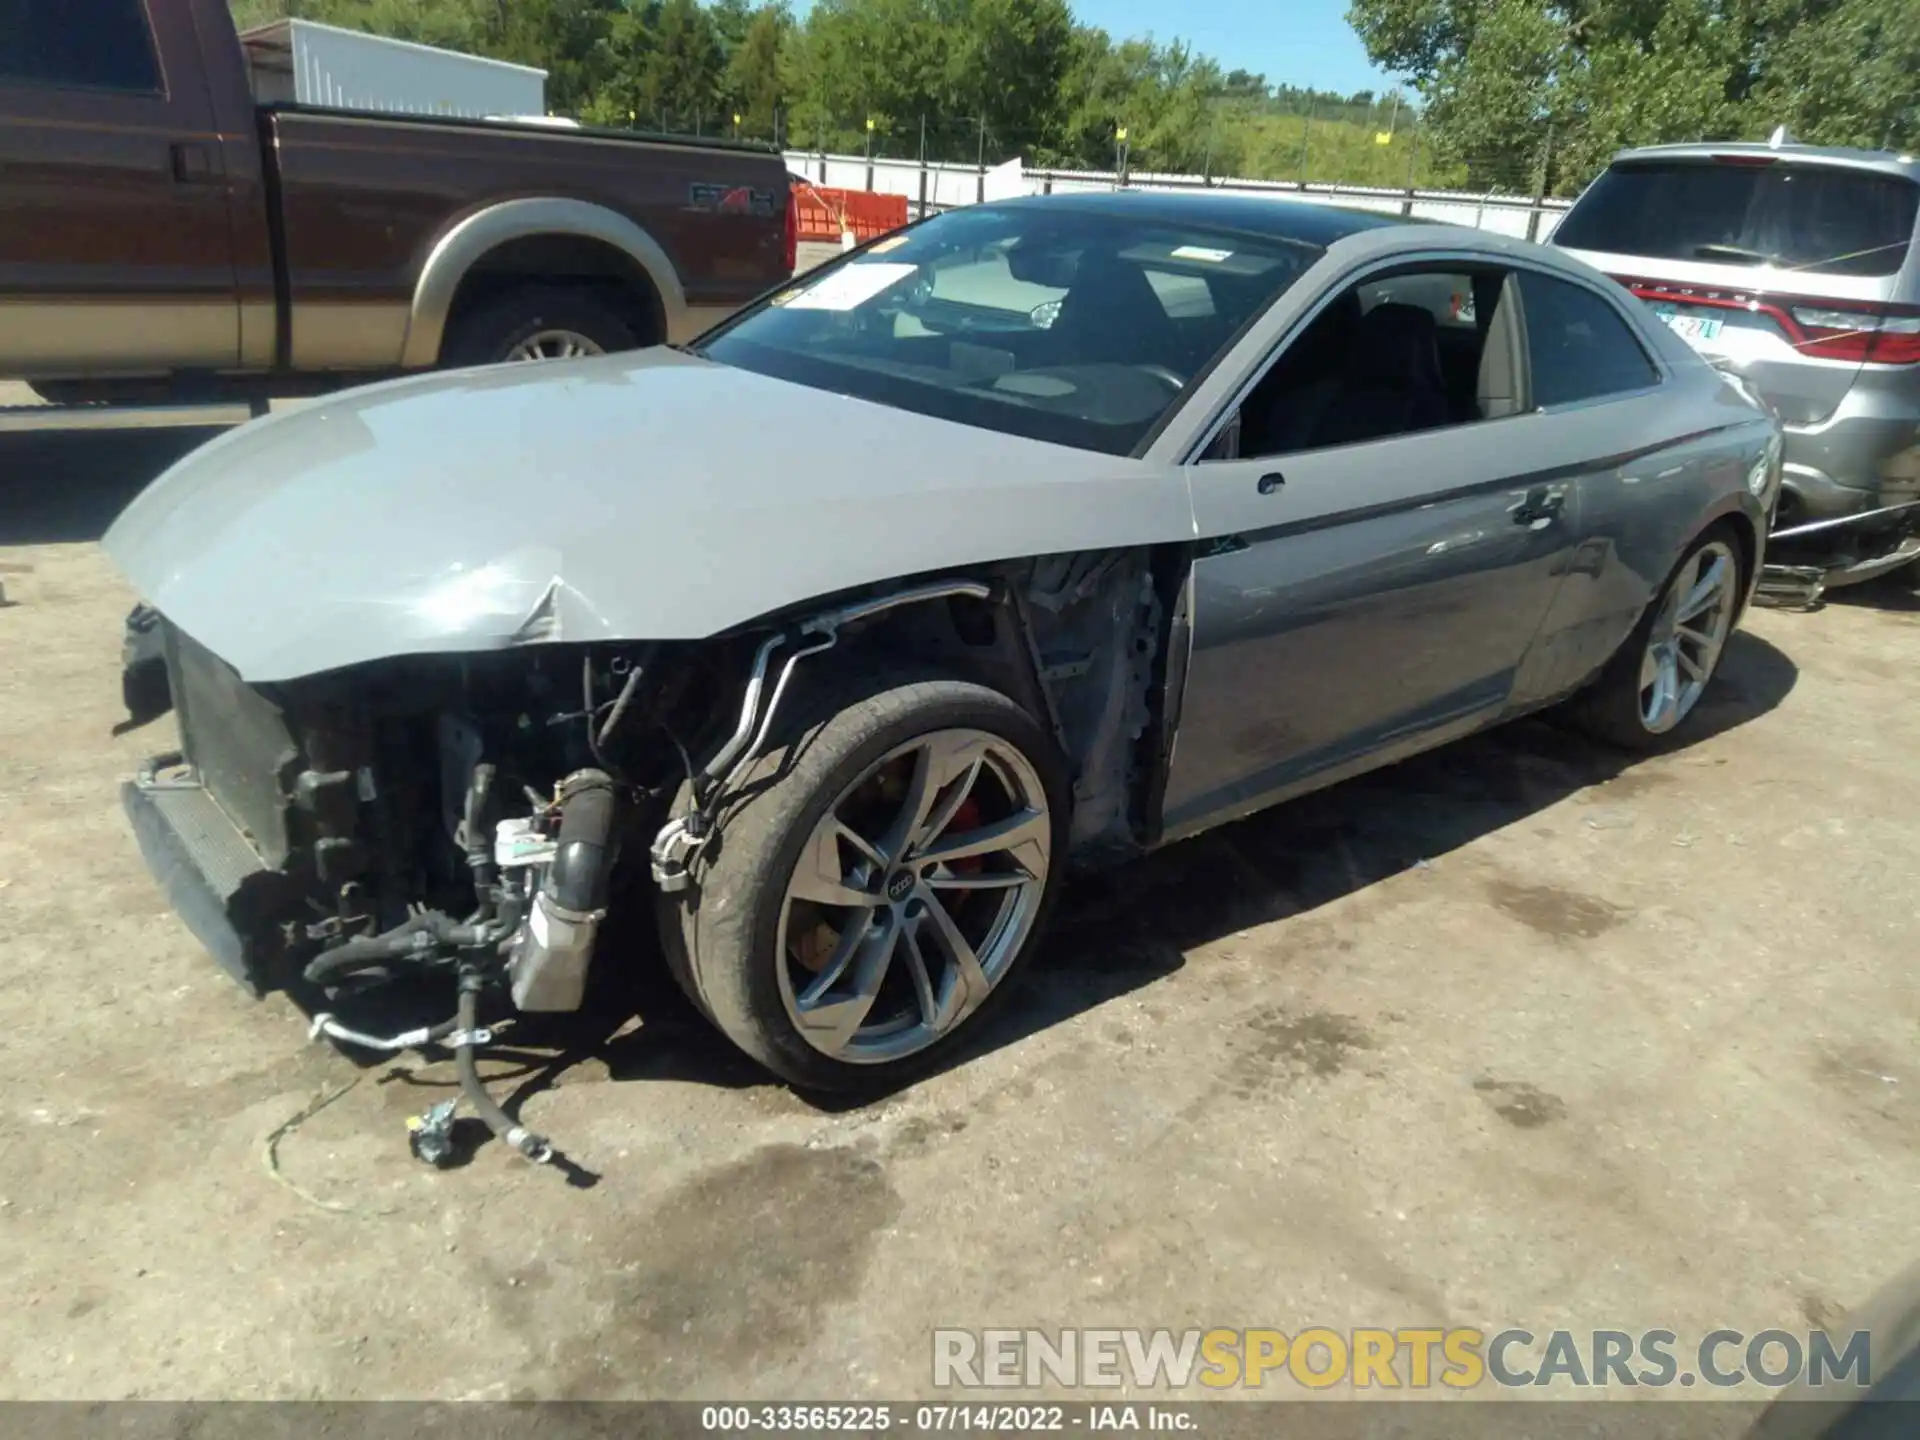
1293 42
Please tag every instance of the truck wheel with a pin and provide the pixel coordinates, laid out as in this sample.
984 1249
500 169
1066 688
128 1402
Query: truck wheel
885 873
535 322
1658 675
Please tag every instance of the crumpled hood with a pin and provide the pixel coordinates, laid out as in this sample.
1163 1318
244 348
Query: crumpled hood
651 496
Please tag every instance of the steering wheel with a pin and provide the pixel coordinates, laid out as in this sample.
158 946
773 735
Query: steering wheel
1169 378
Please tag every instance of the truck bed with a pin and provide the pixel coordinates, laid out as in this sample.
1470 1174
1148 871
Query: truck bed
363 198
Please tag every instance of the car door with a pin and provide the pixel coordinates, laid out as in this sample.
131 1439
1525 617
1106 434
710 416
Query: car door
116 254
1649 473
1356 601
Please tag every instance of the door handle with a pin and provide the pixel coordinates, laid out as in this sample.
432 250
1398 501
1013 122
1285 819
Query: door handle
1539 503
1270 482
192 164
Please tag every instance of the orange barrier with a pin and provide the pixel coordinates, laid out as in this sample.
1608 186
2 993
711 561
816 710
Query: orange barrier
827 214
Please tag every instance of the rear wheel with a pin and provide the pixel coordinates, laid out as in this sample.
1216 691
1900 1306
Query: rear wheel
880 885
1655 680
535 322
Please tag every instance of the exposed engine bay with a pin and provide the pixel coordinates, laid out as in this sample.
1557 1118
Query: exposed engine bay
472 818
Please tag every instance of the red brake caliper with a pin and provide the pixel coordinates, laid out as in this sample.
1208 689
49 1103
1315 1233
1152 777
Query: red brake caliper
966 817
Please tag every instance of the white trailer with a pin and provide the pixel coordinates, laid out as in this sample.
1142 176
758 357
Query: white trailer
312 64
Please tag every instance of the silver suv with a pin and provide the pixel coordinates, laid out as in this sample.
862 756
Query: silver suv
1795 268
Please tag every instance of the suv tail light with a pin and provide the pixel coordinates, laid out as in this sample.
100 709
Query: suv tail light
792 236
1862 335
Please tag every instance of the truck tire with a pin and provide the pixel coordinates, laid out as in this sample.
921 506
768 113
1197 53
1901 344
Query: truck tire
844 960
535 322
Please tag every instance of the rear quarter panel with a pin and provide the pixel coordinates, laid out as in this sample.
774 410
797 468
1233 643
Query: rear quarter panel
1672 463
364 198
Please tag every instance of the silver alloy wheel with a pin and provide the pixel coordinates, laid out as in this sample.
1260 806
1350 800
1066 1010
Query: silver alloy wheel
1688 634
554 345
913 895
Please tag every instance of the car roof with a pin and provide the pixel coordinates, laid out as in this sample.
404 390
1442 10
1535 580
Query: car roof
1884 162
1361 234
1273 216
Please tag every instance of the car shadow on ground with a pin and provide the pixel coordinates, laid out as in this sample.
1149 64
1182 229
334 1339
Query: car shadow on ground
65 487
1121 931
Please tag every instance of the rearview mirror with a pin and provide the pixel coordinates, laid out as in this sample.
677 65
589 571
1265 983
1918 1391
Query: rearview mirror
1052 268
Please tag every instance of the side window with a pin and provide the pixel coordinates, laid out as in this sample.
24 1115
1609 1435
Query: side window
1393 355
1446 297
83 44
1579 346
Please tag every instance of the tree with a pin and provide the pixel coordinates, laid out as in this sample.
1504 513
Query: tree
625 52
731 18
566 38
999 76
450 24
753 83
1498 75
681 73
1010 60
1494 105
1849 80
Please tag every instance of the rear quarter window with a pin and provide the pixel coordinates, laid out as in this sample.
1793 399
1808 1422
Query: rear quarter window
1579 347
1815 219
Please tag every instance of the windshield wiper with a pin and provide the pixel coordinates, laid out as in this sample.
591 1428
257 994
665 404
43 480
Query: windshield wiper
1732 252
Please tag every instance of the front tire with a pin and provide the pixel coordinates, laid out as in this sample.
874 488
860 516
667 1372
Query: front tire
879 884
1650 688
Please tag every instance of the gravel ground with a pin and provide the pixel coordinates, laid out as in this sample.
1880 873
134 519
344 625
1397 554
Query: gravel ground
1513 1034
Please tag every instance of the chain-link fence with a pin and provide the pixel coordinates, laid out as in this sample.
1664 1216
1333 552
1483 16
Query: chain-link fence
1381 155
1381 145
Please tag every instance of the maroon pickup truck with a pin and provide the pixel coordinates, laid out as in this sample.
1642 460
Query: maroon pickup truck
167 237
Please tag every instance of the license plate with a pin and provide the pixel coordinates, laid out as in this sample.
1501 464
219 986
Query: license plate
1694 329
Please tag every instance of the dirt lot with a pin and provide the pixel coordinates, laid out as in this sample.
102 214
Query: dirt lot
1512 1035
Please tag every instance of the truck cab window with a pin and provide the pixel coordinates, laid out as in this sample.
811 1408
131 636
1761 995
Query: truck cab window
78 44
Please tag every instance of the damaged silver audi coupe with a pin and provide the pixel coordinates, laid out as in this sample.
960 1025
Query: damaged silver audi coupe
1037 535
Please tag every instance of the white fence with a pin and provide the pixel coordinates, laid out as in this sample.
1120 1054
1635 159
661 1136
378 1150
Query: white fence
938 186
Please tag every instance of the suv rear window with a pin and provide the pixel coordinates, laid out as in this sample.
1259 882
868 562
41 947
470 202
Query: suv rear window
1800 217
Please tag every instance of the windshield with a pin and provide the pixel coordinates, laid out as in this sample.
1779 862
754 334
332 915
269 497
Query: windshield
1795 217
1062 325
